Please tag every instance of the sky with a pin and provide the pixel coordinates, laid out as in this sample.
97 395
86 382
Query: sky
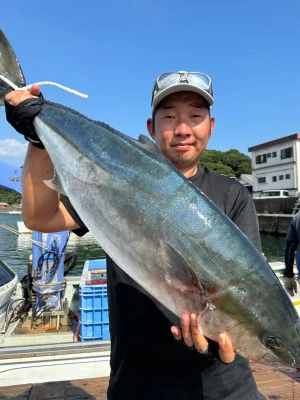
114 50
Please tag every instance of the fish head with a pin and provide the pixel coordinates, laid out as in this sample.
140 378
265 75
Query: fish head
282 347
278 346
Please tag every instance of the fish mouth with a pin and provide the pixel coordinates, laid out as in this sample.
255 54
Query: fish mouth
282 361
295 355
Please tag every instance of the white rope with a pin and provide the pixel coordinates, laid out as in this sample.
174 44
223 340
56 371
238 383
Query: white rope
85 96
10 229
10 83
25 88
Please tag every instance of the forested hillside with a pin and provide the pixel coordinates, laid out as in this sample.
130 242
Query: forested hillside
9 196
231 163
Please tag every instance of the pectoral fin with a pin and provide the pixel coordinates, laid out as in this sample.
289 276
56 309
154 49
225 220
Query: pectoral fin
181 277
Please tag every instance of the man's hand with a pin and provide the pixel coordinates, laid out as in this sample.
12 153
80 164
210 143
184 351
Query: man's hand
290 285
193 338
17 96
21 108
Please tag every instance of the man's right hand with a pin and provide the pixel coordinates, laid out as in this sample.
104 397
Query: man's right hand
290 285
21 108
194 340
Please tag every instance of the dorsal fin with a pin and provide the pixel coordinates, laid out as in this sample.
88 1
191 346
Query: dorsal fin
151 148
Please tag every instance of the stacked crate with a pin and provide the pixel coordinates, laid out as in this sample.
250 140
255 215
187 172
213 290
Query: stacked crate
94 320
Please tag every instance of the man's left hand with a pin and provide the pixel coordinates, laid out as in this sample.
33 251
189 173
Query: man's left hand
291 285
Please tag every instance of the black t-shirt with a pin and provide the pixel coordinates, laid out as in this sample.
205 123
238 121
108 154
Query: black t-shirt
146 363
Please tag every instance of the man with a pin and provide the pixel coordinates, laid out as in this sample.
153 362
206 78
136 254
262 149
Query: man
147 362
292 241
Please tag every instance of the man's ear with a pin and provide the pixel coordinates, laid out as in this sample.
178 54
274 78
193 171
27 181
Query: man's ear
212 125
150 127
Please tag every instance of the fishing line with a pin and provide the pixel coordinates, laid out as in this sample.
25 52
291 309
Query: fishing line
72 91
294 379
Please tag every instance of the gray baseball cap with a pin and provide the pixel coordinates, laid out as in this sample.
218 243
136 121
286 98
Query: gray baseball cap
172 82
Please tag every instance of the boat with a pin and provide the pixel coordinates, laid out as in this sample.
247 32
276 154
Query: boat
8 283
22 228
47 331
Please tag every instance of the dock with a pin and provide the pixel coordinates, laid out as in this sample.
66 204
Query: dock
274 224
272 383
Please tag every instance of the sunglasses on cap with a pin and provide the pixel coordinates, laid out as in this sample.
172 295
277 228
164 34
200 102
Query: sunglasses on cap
172 82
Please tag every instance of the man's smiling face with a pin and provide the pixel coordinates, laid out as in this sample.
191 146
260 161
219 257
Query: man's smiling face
181 128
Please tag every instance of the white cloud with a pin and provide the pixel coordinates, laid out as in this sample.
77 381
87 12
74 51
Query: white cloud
12 148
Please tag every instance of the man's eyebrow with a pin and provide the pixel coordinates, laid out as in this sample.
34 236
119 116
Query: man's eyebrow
171 106
167 107
197 105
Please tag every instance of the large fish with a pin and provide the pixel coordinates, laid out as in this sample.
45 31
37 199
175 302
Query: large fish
166 234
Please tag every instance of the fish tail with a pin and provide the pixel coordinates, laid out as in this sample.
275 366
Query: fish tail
11 74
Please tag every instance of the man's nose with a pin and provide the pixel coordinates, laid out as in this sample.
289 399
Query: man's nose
183 128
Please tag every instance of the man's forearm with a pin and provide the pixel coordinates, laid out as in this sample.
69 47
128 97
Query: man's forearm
41 206
289 258
39 202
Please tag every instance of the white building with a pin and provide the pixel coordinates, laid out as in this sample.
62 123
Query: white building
276 165
246 180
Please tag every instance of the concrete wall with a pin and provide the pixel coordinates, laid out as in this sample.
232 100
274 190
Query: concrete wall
274 215
275 206
275 224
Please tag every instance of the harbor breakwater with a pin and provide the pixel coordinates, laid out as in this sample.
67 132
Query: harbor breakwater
274 224
274 215
284 205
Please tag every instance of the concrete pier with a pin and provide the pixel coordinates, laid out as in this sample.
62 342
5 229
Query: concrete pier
274 224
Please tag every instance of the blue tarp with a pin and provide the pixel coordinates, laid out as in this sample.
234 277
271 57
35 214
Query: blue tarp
10 176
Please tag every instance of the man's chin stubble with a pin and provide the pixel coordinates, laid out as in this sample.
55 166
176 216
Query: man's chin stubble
182 162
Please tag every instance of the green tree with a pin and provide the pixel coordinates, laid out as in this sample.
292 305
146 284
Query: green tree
10 196
231 163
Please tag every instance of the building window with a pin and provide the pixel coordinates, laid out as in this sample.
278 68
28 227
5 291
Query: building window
274 178
274 154
286 153
280 177
288 176
261 159
262 180
269 155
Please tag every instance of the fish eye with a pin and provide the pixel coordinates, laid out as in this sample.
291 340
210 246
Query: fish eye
273 342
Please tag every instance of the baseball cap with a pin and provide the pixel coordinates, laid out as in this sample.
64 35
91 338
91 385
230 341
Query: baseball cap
172 82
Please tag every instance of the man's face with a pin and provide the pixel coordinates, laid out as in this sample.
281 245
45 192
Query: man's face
181 129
